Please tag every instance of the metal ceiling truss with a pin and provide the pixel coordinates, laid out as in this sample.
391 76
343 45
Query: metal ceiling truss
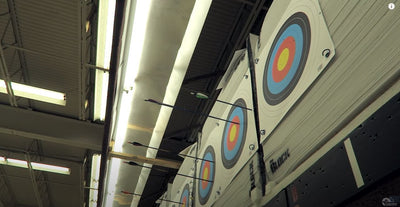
91 49
86 177
87 10
18 39
84 76
39 178
87 53
36 191
23 69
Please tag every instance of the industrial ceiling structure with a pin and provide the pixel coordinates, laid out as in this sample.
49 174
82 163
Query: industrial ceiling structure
48 50
82 78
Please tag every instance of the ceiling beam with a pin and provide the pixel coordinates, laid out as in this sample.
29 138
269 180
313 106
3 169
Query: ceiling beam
83 78
50 128
142 159
18 40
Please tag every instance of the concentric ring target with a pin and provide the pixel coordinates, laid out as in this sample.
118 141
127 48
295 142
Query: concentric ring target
287 58
207 173
185 195
234 135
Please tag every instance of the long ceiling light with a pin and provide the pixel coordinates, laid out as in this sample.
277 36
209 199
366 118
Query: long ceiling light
138 28
94 180
103 56
134 35
185 52
35 93
35 166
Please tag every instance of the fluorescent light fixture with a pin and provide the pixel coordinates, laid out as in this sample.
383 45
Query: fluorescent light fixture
136 22
138 26
112 179
94 180
185 52
50 168
16 163
103 56
122 121
35 166
35 93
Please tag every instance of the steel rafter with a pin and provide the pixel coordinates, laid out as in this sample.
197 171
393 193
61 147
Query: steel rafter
23 69
40 178
39 200
18 41
85 54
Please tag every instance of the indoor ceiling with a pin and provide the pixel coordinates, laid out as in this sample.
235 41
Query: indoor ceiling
52 44
46 44
226 27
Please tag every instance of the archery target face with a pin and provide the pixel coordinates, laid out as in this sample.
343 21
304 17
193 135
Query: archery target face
286 58
185 196
234 136
207 172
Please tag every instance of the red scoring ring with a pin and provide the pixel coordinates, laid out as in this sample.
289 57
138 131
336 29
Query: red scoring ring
204 183
232 144
289 43
184 201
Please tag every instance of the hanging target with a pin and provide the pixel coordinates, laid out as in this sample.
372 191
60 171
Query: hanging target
207 174
234 135
286 58
294 49
185 195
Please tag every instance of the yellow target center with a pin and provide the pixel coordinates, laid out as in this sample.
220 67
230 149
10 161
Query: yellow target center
283 59
232 135
205 174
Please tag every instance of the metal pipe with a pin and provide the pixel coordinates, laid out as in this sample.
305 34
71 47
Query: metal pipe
5 29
